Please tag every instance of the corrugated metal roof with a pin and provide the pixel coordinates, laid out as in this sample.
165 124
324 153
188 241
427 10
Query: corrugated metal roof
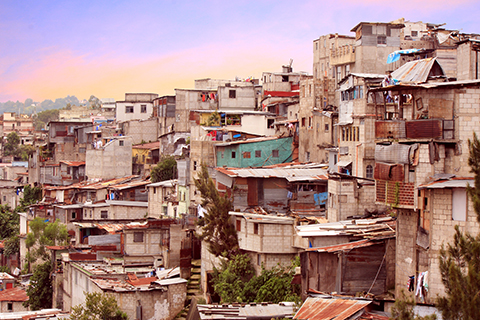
6 276
167 282
246 311
416 71
452 183
327 309
166 183
73 163
13 294
347 227
252 140
266 218
344 246
311 173
149 146
131 184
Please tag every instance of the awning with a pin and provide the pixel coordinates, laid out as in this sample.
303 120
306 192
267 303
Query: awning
454 183
343 163
344 123
395 56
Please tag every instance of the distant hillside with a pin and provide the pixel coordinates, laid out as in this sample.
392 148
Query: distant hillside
27 108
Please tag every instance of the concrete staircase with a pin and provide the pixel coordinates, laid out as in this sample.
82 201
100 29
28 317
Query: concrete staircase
193 289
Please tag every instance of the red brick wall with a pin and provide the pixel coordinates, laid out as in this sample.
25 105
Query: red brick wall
387 189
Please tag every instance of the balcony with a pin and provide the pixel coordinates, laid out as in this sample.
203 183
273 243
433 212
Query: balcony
342 55
414 129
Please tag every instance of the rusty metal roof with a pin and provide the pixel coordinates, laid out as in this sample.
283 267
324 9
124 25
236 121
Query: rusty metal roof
326 309
73 163
344 246
294 174
149 146
13 294
6 276
456 182
246 311
416 71
128 185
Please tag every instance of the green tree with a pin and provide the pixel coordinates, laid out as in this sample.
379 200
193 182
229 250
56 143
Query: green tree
9 222
235 281
229 281
45 117
11 146
403 310
98 306
166 169
40 291
12 245
94 102
460 260
44 234
217 231
30 196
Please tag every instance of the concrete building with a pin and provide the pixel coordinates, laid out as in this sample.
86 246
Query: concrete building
267 239
136 106
111 159
138 296
425 174
163 199
140 131
278 188
255 152
11 300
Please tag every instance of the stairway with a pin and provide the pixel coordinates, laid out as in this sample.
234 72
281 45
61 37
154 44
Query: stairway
193 289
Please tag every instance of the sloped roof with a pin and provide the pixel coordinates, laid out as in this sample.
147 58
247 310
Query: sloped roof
149 146
294 174
73 163
323 309
13 294
418 71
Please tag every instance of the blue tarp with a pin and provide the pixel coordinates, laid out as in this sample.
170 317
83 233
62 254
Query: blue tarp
394 56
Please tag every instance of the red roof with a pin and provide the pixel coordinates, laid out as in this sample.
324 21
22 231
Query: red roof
13 294
73 163
320 308
141 281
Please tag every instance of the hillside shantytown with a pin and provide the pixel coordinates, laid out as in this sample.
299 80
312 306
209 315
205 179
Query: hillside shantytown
350 180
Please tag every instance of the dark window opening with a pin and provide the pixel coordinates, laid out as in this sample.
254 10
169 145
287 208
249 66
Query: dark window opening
246 155
255 228
275 153
104 214
128 109
284 78
138 237
143 108
258 153
232 94
234 154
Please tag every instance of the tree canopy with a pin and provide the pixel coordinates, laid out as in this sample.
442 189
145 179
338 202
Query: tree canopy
98 306
40 291
217 230
9 222
166 169
460 260
235 281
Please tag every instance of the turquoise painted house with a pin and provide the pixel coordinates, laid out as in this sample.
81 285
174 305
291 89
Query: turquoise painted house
256 152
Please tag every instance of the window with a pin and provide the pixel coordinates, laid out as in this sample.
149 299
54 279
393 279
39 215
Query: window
232 94
234 154
104 214
120 143
246 155
138 237
459 204
74 214
414 33
259 259
369 172
309 121
303 122
255 228
258 153
143 108
128 109
284 78
327 127
4 198
68 170
239 225
307 156
81 150
275 153
194 165
223 153
10 307
270 123
381 39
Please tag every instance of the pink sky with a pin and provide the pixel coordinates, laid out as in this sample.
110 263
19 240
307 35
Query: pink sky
109 48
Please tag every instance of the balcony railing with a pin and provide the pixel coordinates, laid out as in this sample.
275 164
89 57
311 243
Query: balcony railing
414 129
